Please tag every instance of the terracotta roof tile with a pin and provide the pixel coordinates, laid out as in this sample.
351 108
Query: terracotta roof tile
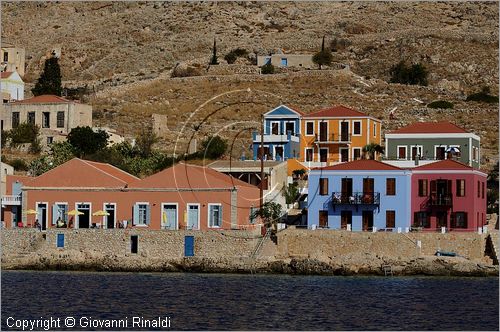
114 171
361 165
429 128
336 111
6 74
447 164
184 176
45 99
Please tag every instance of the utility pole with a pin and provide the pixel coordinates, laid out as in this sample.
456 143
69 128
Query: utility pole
261 161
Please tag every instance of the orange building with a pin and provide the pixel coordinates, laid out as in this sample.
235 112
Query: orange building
337 134
183 196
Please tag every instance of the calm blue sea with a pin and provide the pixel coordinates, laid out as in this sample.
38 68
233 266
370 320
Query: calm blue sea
258 302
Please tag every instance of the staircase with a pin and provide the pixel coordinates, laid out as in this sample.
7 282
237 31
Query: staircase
259 245
492 246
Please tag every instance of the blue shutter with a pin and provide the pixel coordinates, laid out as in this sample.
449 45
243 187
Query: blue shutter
54 214
136 214
220 212
148 214
188 245
60 240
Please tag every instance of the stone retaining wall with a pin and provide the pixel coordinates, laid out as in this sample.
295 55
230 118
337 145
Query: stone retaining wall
334 243
164 244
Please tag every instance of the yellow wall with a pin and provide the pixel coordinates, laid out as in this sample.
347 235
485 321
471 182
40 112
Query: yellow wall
366 136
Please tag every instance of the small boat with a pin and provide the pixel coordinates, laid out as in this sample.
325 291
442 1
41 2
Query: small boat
445 253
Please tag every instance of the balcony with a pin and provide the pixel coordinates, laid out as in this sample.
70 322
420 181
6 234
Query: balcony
355 198
269 138
332 139
444 200
11 200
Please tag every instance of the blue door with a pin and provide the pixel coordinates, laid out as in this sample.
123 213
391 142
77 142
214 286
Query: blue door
284 62
189 246
60 240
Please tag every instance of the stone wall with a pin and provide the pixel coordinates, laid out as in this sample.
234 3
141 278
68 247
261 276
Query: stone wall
160 244
322 244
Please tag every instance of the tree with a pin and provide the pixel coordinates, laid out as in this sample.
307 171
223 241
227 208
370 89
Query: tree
291 192
371 150
323 57
50 79
268 68
40 165
415 74
61 152
145 141
213 147
85 141
214 61
483 96
270 213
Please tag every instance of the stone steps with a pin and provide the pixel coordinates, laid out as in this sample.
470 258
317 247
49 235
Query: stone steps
494 241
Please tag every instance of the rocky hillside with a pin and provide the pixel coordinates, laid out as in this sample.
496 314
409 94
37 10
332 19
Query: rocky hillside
126 50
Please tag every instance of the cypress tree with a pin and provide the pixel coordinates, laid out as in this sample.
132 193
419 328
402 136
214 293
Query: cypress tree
214 55
50 79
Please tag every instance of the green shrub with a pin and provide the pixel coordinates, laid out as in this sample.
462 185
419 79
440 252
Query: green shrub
24 133
440 104
185 72
213 147
230 57
19 165
415 74
235 54
267 69
483 96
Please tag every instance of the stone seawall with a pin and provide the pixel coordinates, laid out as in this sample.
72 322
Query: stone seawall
297 252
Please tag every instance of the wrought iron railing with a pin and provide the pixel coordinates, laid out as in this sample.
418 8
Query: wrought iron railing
356 198
332 138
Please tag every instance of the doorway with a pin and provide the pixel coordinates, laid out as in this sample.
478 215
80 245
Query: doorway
169 216
346 184
110 219
344 155
323 155
42 215
278 153
323 219
83 220
344 131
441 219
323 131
367 220
345 219
193 216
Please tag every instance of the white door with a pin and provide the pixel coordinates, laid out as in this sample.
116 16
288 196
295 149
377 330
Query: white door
169 216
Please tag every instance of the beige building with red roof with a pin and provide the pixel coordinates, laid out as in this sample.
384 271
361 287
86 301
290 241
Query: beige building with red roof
432 141
337 134
180 197
55 115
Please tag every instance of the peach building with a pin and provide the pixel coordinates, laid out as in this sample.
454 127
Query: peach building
180 197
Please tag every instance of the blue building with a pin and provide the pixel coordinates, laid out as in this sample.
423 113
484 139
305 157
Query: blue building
359 195
281 135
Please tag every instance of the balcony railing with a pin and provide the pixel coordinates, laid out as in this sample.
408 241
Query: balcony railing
440 200
332 138
11 200
356 198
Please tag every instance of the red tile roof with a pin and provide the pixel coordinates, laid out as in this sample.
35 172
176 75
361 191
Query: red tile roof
446 164
336 111
78 173
45 99
361 165
6 74
184 176
430 128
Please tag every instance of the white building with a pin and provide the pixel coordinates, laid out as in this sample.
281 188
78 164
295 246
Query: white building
12 86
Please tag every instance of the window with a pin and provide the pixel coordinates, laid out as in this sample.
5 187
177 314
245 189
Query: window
267 61
142 214
323 155
214 215
284 62
401 152
59 212
422 219
356 153
458 220
309 128
356 127
60 119
422 187
253 217
15 119
475 153
290 126
374 129
439 152
390 187
416 150
390 219
323 186
460 188
309 154
50 140
478 189
482 190
275 128
45 120
31 118
5 56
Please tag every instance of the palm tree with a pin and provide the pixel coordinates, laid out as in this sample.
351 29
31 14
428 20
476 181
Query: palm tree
371 150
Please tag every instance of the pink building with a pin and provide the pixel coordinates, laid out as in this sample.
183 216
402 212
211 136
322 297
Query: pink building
448 194
183 196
